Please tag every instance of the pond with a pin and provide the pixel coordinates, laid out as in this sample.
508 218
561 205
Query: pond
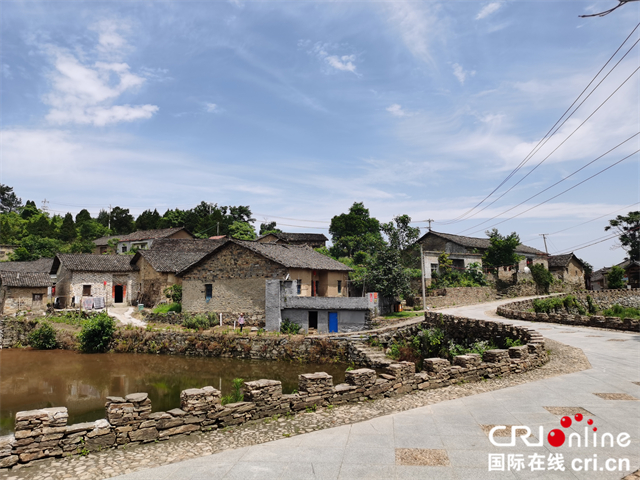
31 379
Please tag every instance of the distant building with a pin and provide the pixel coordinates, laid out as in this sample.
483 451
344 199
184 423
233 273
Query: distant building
568 268
142 239
24 291
314 240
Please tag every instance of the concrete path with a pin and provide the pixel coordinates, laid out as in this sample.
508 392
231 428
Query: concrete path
452 430
123 314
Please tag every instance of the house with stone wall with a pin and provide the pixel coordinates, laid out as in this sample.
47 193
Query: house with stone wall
568 269
142 239
159 266
464 251
232 278
24 291
94 281
313 240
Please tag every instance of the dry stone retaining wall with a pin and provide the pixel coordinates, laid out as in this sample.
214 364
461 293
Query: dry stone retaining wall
459 296
603 299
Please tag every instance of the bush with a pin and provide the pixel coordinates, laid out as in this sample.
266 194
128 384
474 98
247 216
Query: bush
236 394
96 333
43 337
198 322
289 327
168 307
174 293
547 305
622 312
541 276
615 278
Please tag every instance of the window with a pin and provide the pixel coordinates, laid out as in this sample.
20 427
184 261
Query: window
124 248
37 297
299 287
208 292
434 267
339 286
86 290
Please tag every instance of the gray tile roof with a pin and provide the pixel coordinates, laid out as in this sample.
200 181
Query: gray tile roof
174 255
25 279
89 262
140 235
186 244
298 237
480 243
561 260
42 265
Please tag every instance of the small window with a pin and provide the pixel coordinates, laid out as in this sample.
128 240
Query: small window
124 248
434 267
299 286
339 286
37 297
208 292
86 290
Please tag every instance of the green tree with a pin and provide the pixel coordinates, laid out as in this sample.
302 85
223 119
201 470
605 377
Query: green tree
68 231
402 237
386 274
242 231
628 228
40 226
269 227
502 250
122 222
11 228
97 333
92 229
354 232
29 210
615 278
83 216
33 247
148 220
9 202
541 276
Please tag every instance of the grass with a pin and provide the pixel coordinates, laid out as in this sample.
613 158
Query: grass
403 315
168 307
622 312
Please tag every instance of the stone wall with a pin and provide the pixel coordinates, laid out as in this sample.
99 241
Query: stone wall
70 284
14 332
602 299
20 299
153 283
447 297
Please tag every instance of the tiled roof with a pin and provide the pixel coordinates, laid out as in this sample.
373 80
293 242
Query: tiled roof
25 279
298 237
562 260
481 243
42 265
174 255
140 235
186 244
89 262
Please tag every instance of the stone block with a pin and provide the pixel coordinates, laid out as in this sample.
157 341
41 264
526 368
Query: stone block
177 412
467 361
263 391
436 365
360 377
200 400
520 352
100 442
164 423
403 371
9 461
496 356
144 435
178 430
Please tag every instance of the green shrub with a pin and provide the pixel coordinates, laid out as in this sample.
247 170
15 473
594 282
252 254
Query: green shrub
289 327
96 333
615 278
622 312
509 342
541 276
168 307
236 393
43 337
548 305
591 306
198 322
174 293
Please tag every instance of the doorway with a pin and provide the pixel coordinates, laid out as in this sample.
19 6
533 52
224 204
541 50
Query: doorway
313 320
118 294
333 322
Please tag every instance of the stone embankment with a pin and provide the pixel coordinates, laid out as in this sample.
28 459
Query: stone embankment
44 433
602 300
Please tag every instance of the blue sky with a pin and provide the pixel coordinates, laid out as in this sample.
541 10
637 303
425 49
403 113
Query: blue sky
299 109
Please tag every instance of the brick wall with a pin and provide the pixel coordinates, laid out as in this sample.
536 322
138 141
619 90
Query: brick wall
70 284
20 299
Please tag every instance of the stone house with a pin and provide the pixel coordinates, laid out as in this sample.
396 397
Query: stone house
599 280
158 267
99 280
42 265
142 239
231 279
464 251
314 240
567 268
20 291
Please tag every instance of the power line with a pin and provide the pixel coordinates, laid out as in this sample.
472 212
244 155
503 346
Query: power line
534 150
564 191
557 183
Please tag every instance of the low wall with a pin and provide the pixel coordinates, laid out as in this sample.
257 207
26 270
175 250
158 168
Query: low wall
602 299
447 297
15 332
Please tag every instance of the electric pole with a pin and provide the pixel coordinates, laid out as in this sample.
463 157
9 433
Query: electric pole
430 221
45 202
544 237
109 220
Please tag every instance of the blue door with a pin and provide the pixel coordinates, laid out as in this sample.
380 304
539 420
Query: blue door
333 322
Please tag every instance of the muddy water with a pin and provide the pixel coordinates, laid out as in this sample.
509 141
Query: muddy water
35 379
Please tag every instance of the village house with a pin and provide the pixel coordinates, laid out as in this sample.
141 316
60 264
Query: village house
599 280
567 268
159 266
142 239
232 278
314 240
464 251
94 281
24 291
42 265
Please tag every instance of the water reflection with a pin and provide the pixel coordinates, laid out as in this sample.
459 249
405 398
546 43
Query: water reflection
35 379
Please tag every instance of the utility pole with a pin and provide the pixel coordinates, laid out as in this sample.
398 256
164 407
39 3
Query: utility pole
45 202
430 221
544 237
109 219
424 299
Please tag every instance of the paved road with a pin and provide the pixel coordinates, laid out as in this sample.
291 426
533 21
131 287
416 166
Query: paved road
370 449
123 314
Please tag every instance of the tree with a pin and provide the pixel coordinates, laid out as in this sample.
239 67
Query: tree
11 228
29 210
270 227
91 229
9 202
402 237
33 248
541 276
615 278
242 231
40 226
82 217
502 250
68 229
628 228
148 220
387 276
103 218
121 221
354 232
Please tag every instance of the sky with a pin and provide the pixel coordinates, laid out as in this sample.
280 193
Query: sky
300 109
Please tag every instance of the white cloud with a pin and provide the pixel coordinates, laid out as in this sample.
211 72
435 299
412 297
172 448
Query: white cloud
396 110
461 74
488 10
343 63
110 41
211 107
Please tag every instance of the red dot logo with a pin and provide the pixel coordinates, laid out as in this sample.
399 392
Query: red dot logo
565 422
590 422
595 429
556 437
578 417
